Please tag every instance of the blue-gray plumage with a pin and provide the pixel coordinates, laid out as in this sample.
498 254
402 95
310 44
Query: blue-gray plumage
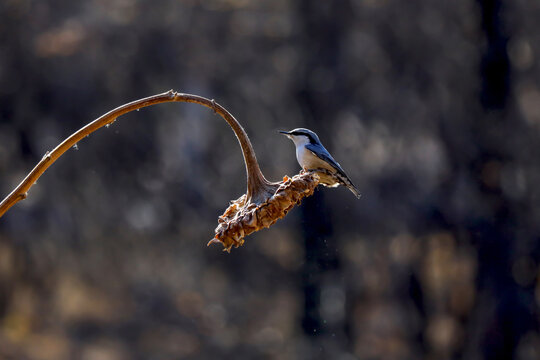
312 155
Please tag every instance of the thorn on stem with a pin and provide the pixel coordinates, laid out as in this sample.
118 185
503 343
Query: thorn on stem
214 106
24 195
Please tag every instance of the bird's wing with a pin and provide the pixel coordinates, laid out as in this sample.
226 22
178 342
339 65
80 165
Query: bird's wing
325 156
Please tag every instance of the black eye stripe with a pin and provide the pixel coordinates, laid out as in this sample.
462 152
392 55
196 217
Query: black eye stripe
309 136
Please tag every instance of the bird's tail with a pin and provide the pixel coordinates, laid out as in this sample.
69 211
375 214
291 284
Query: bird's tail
354 190
345 181
333 179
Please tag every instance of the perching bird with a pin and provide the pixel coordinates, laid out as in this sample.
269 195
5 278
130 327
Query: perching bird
312 155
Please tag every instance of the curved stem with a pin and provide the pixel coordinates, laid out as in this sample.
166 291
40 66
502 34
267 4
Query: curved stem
257 186
256 182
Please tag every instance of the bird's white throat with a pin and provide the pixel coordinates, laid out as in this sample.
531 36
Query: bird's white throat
300 140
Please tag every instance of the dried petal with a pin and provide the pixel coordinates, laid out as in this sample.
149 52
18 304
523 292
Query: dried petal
241 219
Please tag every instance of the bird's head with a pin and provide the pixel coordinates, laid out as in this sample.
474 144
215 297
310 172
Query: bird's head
302 136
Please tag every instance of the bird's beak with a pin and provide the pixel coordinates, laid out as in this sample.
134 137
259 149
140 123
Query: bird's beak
286 133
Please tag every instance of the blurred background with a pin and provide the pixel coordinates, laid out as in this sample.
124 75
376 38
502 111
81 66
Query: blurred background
433 109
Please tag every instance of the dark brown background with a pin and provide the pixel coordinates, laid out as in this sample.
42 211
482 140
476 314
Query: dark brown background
433 108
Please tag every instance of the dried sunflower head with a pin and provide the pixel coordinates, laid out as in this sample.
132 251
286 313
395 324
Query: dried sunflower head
243 217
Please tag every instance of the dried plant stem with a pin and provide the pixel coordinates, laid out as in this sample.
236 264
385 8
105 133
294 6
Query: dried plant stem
258 188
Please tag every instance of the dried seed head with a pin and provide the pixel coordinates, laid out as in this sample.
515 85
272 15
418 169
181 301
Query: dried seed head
241 218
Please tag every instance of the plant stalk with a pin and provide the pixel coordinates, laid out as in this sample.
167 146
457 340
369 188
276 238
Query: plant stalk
258 187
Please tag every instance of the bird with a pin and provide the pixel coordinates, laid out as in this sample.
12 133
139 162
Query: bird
313 156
